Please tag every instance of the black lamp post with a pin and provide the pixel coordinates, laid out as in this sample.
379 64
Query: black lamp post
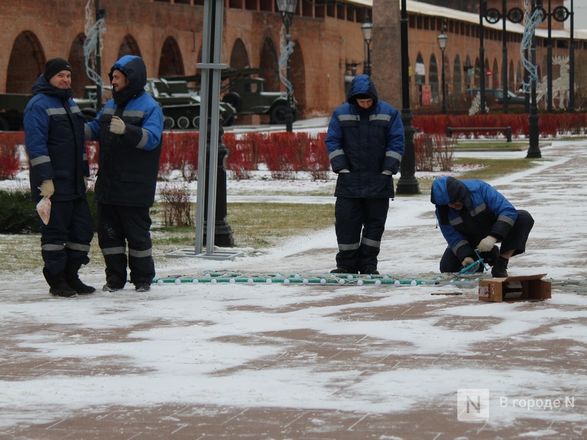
367 29
287 8
407 184
572 61
504 57
442 40
560 14
549 61
482 12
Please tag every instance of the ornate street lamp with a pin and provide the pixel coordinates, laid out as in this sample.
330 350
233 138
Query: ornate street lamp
287 8
407 183
442 41
367 29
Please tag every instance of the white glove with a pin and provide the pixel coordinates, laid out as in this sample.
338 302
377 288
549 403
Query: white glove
486 244
47 188
387 172
467 261
117 125
343 171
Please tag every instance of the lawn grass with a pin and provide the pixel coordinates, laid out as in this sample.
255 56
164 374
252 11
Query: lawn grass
254 225
493 168
482 145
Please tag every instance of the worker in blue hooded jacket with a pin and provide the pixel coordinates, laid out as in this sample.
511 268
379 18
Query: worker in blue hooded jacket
473 215
365 142
129 129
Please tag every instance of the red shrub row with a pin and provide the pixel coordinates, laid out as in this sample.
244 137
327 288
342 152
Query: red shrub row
549 123
9 159
284 153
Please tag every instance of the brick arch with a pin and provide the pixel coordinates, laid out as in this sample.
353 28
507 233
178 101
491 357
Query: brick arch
434 79
469 72
420 77
239 57
79 79
495 75
457 80
298 78
512 79
171 61
269 65
129 46
26 63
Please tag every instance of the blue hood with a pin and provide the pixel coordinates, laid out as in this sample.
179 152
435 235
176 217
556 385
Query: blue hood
362 85
135 71
447 189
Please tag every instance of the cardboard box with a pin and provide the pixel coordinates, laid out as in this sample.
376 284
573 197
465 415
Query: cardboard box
521 288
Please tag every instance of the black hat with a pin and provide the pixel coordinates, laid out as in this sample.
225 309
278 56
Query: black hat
54 66
362 96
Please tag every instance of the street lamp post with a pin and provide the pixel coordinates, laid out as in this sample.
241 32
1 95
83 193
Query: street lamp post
571 106
493 15
367 29
504 57
482 12
549 61
442 40
287 8
407 184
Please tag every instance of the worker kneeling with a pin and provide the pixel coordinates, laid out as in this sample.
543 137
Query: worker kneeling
472 216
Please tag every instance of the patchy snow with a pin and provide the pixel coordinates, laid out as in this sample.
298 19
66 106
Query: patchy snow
236 345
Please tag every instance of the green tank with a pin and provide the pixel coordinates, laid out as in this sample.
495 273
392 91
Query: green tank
180 105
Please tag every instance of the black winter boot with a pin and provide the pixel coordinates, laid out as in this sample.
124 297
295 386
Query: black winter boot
499 270
369 270
73 280
57 284
343 270
80 287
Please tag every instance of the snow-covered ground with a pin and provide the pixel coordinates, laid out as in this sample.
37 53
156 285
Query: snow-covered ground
261 346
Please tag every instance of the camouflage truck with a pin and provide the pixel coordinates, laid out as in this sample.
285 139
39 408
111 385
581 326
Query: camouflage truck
12 109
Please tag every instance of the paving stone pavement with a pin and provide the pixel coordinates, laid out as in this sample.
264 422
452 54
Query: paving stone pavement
312 362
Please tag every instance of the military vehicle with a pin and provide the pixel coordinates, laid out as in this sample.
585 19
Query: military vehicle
246 93
180 106
11 110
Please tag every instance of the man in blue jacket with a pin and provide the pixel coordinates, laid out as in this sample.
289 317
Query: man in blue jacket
129 129
365 142
54 139
474 215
